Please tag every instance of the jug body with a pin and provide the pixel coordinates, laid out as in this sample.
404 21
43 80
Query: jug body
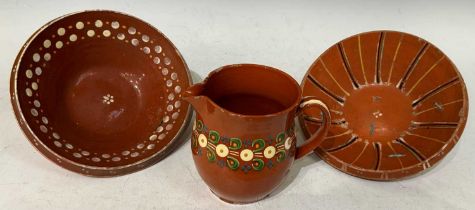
243 160
243 139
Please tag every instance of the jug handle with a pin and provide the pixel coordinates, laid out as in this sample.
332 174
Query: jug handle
316 139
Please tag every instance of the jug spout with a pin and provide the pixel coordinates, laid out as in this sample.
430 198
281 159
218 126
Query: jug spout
191 92
194 96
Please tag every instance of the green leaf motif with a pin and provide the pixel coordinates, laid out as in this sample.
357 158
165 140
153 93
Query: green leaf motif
199 125
235 143
258 145
213 137
210 154
232 163
257 164
280 139
280 156
194 141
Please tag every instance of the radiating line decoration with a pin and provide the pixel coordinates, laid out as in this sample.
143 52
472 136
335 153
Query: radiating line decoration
398 104
380 53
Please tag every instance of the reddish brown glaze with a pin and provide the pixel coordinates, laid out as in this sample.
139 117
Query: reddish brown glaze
398 104
99 93
250 104
243 139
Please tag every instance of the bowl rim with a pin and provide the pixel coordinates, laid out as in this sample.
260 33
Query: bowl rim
119 170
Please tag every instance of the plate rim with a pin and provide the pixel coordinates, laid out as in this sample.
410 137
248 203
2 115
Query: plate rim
417 169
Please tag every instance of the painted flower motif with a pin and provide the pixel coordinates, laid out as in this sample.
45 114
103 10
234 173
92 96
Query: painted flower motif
288 143
246 155
258 145
232 163
248 143
221 163
199 125
108 99
222 150
257 164
202 140
270 164
269 152
235 144
225 140
214 137
237 154
246 168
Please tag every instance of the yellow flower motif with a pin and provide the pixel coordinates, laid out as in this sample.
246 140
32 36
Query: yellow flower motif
202 140
222 150
269 152
246 155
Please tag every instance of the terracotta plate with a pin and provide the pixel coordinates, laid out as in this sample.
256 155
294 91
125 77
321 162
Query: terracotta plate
99 93
398 104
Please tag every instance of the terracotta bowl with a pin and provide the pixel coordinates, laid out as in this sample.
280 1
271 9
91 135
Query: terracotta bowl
398 104
99 93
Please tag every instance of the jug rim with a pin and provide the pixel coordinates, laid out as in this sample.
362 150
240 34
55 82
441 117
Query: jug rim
264 67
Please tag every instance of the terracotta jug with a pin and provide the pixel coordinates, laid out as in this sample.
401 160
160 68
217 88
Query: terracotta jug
243 138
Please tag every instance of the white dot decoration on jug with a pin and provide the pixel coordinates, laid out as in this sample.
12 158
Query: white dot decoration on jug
241 154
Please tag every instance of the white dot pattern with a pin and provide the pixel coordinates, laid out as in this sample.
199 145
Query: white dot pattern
114 31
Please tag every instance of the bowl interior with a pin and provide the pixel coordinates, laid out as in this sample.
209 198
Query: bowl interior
101 89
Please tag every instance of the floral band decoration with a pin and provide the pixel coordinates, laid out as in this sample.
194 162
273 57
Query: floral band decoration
235 153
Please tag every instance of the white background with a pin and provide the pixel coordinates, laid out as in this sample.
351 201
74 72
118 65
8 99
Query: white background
288 35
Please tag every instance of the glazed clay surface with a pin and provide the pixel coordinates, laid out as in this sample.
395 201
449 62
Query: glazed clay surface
398 104
243 140
99 93
210 34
